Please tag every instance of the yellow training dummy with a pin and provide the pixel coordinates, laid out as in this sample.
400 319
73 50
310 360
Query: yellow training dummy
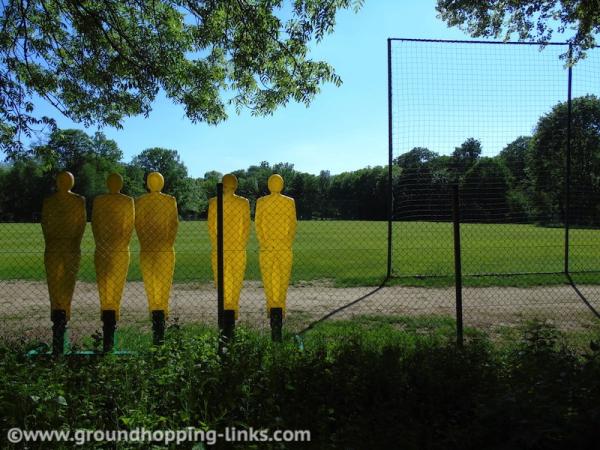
275 222
156 222
112 224
63 224
236 229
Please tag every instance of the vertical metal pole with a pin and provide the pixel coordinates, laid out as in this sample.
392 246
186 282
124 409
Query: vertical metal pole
390 199
228 325
568 164
457 265
220 298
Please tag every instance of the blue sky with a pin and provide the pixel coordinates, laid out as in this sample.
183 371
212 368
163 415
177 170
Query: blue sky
345 128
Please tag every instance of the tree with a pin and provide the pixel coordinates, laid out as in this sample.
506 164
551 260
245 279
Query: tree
547 162
257 180
209 183
484 192
361 194
169 164
324 185
4 187
89 158
530 19
193 201
163 160
415 192
304 187
100 61
133 180
514 155
465 156
68 149
416 158
286 170
64 150
25 186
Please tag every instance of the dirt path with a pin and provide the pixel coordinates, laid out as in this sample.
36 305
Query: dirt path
24 305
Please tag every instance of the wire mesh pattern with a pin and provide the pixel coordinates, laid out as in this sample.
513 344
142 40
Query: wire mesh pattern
502 121
333 262
510 125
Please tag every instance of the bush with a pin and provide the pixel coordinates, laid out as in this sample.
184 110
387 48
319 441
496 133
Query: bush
371 389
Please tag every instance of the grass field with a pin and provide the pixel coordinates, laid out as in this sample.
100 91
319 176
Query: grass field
354 253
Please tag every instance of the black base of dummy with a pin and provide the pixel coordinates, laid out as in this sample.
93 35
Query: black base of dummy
276 324
109 324
158 327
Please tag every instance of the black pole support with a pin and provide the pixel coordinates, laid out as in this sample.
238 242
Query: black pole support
59 326
158 327
390 192
276 317
220 288
109 324
568 162
457 264
228 324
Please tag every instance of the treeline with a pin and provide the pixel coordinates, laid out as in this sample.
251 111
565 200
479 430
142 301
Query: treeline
29 177
524 182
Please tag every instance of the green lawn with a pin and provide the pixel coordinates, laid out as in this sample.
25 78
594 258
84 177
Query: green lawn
354 253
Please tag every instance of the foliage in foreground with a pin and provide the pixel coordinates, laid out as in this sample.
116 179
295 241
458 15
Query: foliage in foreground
98 62
353 386
534 20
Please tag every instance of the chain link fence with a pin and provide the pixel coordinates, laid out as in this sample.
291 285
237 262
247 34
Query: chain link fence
516 131
506 132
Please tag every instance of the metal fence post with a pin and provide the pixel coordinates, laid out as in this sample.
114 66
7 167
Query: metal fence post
457 264
390 199
568 164
220 297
